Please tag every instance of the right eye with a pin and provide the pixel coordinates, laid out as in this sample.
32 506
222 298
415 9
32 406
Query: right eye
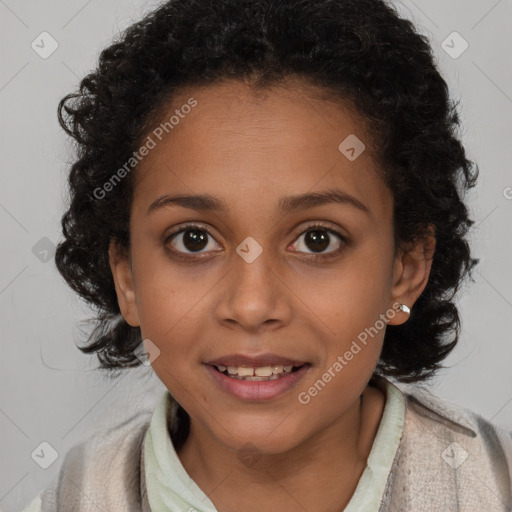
190 239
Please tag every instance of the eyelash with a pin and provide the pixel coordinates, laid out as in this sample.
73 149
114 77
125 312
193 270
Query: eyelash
310 256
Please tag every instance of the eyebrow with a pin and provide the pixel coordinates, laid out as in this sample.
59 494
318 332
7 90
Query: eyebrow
287 204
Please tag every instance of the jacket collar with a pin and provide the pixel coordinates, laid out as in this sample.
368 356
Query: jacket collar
424 402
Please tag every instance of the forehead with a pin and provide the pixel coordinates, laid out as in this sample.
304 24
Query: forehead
255 147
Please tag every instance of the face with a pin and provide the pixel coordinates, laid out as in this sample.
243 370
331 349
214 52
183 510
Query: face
264 275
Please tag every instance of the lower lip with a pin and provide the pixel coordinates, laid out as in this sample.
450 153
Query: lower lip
257 390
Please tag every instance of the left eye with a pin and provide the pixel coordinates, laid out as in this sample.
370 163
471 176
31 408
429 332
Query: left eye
318 239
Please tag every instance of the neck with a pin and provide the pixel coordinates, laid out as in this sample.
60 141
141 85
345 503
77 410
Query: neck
321 473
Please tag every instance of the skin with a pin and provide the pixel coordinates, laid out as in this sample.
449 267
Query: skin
250 149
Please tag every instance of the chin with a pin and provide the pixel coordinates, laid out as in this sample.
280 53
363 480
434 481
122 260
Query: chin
263 436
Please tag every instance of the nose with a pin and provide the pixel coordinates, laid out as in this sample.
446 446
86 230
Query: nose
253 296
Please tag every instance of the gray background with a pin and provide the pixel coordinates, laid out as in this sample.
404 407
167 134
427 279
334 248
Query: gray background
50 391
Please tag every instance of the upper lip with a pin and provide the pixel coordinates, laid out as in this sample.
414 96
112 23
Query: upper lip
254 361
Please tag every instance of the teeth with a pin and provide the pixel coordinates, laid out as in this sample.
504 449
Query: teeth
264 371
259 373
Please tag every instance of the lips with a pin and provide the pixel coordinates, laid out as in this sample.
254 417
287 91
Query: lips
257 388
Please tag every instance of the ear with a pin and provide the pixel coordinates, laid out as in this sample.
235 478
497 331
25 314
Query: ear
122 273
411 270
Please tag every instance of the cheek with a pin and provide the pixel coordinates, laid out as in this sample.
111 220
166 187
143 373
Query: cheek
172 302
166 293
352 296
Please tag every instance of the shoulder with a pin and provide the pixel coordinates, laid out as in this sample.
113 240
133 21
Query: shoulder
442 417
449 456
103 470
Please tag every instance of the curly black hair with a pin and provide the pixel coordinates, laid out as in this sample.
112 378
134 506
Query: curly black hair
360 51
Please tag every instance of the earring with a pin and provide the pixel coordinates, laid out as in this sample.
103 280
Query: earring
405 309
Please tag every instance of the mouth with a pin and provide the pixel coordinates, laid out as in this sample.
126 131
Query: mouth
259 373
258 379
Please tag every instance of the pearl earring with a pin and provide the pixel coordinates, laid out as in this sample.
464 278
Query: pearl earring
405 309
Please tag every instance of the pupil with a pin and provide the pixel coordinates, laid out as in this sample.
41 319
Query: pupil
317 240
194 239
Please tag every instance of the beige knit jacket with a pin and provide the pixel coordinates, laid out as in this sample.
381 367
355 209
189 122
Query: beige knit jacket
449 459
